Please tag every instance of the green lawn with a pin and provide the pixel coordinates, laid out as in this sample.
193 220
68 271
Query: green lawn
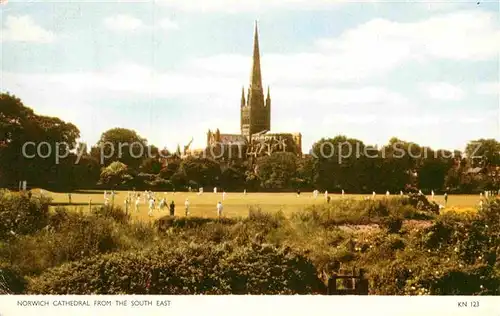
235 204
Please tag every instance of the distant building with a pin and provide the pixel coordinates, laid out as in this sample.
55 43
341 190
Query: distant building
255 122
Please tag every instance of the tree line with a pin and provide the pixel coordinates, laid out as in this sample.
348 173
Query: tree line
124 159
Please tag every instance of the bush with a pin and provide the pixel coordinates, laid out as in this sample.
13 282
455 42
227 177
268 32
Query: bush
10 281
160 184
114 212
185 269
265 221
74 236
21 214
392 224
421 202
168 222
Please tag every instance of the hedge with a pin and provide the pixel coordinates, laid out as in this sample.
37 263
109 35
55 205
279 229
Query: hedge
185 269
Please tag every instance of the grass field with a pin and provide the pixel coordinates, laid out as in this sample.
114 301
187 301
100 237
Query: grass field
235 204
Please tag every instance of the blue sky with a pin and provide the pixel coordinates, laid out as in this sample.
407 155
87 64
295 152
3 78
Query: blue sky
422 71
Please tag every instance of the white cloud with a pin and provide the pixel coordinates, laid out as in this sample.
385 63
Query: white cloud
24 29
372 50
489 88
168 24
123 22
443 91
231 6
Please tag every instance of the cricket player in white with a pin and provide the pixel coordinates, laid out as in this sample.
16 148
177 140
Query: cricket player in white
137 202
186 204
219 209
151 207
163 203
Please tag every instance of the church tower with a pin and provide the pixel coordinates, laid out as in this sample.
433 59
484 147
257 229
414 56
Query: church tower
255 112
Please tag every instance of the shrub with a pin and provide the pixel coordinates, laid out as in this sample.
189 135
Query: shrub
421 202
10 281
393 224
264 221
21 214
185 269
114 212
167 222
74 237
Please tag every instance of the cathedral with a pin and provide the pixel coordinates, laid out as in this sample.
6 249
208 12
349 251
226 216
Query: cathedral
255 120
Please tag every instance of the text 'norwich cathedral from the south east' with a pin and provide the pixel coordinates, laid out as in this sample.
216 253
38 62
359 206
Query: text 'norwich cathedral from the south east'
254 139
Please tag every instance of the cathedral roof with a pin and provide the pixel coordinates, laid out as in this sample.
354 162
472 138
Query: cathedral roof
232 138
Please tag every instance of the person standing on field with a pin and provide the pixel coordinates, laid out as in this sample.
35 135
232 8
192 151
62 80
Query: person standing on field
186 204
172 208
163 203
151 207
137 202
219 209
445 198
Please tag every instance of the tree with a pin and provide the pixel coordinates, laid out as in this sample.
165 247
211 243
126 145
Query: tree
434 169
170 169
233 178
486 150
115 174
120 144
277 171
204 171
337 163
151 165
20 127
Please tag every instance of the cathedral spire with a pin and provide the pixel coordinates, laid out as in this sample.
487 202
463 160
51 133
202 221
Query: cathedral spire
256 76
243 102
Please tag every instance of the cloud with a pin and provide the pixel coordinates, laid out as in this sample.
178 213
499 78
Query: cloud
168 24
443 91
372 50
489 88
381 45
230 6
123 22
24 29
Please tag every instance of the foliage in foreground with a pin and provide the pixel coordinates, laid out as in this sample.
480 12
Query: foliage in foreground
185 269
21 214
405 249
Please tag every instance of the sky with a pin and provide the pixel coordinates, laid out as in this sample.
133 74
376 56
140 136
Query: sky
422 71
